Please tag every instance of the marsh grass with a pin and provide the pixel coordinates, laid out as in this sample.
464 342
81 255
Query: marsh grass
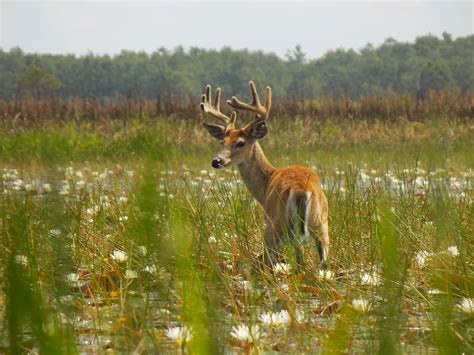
134 237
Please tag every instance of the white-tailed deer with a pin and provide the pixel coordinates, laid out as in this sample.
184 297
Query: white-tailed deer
292 197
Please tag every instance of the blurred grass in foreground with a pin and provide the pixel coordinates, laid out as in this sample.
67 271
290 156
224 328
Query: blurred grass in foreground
119 239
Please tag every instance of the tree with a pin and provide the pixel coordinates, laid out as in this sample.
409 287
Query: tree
38 82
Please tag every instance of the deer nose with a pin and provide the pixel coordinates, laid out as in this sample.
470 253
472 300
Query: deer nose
217 163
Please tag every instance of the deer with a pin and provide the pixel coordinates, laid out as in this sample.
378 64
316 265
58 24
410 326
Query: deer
294 204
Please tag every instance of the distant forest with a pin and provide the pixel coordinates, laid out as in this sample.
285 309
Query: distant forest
430 63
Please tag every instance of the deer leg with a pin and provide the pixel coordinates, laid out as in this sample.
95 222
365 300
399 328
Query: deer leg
322 243
272 247
298 247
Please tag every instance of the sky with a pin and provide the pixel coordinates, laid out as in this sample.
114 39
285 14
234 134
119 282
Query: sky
318 26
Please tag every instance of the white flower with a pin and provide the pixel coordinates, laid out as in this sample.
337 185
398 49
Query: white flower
54 232
123 218
277 319
64 190
119 256
435 291
467 305
372 279
300 316
29 188
18 185
92 211
361 305
282 268
179 334
326 274
150 268
130 274
47 188
453 250
122 199
421 256
245 334
21 259
245 285
73 279
212 239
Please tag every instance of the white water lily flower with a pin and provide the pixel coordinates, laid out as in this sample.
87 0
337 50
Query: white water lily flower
150 269
119 256
54 232
212 239
130 274
276 319
21 259
372 279
18 185
282 268
326 274
64 190
453 250
361 305
179 334
73 279
245 285
434 291
422 256
245 333
122 199
466 305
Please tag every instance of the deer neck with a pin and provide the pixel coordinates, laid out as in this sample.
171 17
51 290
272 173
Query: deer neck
256 173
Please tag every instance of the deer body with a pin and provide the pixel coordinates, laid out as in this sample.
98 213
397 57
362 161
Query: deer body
294 203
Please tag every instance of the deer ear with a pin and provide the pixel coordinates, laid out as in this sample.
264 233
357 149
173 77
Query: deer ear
257 130
215 130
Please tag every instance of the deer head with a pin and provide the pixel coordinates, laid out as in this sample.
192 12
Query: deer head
237 143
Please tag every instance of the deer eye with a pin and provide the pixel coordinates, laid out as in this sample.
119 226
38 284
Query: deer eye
240 144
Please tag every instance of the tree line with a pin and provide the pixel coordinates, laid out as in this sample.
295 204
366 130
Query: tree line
430 63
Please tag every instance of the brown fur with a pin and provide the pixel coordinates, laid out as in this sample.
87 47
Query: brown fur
279 191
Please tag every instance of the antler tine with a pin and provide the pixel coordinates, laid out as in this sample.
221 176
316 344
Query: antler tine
213 110
255 106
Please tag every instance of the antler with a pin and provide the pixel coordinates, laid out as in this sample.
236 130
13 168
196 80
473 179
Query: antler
262 112
214 110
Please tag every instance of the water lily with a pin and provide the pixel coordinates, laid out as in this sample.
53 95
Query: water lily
179 334
245 333
21 259
453 250
325 274
361 305
73 279
282 268
421 257
276 319
372 279
130 274
119 256
466 305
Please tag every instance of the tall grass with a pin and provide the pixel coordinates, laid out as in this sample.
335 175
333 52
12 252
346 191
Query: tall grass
112 237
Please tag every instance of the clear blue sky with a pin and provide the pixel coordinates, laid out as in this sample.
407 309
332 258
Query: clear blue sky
110 26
